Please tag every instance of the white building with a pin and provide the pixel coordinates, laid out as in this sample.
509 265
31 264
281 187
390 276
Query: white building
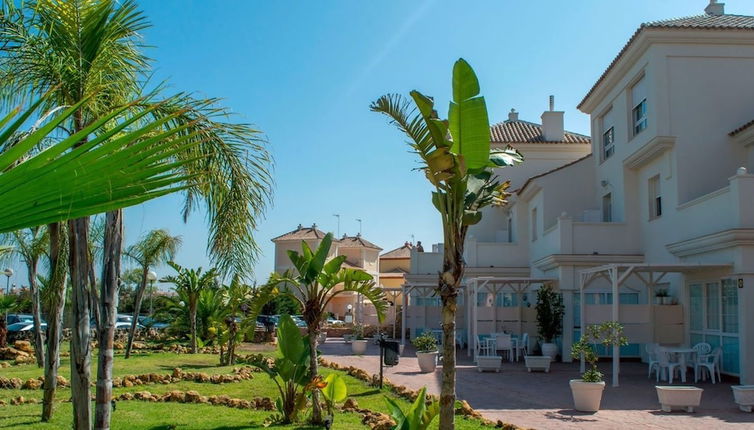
663 201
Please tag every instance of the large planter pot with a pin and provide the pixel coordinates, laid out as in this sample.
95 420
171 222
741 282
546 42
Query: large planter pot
587 396
743 395
359 347
679 397
550 349
667 300
537 362
488 363
427 361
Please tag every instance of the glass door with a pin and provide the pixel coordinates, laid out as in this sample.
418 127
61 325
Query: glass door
713 317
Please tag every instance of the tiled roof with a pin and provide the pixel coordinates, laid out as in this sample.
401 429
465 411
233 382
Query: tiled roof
396 270
517 131
697 22
302 233
356 242
402 252
742 128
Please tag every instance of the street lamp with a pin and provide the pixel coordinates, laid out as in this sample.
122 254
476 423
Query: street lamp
8 273
151 277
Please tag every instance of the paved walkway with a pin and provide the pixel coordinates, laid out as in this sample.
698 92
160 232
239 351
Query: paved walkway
543 401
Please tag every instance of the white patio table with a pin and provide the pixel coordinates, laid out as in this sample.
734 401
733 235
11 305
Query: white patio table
681 351
514 344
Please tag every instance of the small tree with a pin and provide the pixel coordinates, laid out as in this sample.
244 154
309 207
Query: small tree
549 314
191 282
316 284
156 247
609 334
457 160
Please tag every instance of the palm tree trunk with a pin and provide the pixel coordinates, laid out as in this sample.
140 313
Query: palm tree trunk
78 231
137 310
192 323
3 333
108 303
314 371
448 286
36 311
58 250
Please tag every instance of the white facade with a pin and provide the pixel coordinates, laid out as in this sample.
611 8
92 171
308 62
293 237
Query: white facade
666 183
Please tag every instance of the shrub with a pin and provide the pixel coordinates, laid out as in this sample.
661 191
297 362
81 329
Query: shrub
609 334
425 343
549 314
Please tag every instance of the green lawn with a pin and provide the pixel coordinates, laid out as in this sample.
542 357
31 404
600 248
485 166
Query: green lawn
145 415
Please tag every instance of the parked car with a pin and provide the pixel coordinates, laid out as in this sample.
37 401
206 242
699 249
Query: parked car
23 326
17 318
299 320
334 321
266 320
150 322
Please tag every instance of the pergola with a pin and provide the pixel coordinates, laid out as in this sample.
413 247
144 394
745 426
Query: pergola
405 290
495 285
617 274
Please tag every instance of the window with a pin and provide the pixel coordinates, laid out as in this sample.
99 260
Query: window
655 199
640 117
607 208
639 106
534 224
608 139
510 229
714 319
606 125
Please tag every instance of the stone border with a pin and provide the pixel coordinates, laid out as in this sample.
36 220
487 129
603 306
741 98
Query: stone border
464 409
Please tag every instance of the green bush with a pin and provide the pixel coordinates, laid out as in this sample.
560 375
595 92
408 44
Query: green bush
425 343
549 314
609 334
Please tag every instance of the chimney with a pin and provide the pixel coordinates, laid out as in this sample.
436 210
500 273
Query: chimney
552 124
714 8
513 115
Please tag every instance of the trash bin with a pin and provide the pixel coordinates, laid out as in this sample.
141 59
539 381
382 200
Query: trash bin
392 352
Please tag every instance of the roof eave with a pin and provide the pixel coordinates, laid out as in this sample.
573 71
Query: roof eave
646 36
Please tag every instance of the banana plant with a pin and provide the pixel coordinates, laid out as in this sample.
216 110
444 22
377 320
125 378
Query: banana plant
334 392
290 371
458 161
418 417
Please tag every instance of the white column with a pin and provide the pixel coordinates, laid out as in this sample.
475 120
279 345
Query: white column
746 328
616 317
403 315
582 317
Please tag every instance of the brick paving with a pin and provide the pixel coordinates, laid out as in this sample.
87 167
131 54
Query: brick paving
543 400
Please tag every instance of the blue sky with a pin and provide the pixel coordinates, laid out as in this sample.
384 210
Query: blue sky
305 72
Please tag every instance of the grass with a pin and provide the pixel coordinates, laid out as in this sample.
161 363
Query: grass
146 415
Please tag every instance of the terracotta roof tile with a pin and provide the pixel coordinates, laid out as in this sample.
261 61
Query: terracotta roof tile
301 233
356 242
402 252
697 22
517 131
742 128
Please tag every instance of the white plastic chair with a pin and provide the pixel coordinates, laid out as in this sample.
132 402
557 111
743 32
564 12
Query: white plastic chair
523 345
666 365
654 363
483 347
710 363
503 342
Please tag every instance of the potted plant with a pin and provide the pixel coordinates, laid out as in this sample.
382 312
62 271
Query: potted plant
426 352
587 391
662 298
358 344
549 319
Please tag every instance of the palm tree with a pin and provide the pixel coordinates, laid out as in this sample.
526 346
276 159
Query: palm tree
156 247
7 304
91 50
237 298
316 283
458 162
30 245
190 283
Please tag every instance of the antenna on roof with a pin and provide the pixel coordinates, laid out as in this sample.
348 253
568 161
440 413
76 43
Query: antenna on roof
359 220
338 217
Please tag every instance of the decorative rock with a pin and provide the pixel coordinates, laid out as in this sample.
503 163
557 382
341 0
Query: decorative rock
350 405
24 346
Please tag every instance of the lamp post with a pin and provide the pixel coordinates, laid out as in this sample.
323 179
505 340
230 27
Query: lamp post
151 277
8 273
